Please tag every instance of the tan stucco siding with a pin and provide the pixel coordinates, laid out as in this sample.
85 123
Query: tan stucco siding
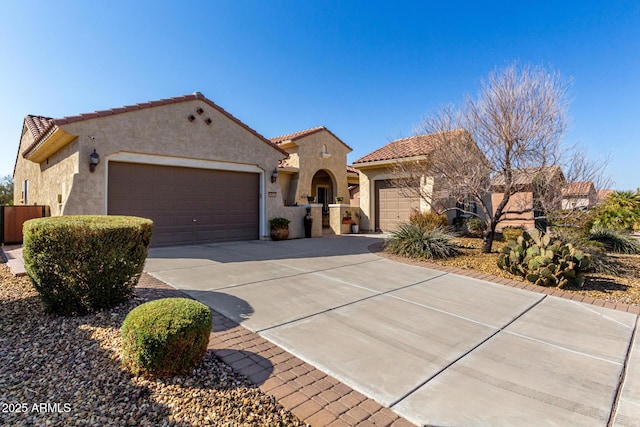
310 160
162 132
517 202
368 178
50 182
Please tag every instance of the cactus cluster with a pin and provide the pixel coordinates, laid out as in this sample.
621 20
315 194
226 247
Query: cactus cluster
543 262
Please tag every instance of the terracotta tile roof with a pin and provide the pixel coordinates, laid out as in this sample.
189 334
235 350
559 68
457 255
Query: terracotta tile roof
419 145
41 126
603 194
302 133
351 169
296 135
578 188
38 125
525 176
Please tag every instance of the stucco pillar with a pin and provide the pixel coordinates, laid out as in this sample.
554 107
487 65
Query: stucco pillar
336 214
316 214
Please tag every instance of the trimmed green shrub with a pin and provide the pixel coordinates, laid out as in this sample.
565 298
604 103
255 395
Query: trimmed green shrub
165 337
80 264
476 226
511 233
543 263
413 241
428 220
615 241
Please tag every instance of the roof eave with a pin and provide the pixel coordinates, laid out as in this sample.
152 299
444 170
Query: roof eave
388 162
50 143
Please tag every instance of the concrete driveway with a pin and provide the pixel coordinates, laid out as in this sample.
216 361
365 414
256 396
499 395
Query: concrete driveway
437 348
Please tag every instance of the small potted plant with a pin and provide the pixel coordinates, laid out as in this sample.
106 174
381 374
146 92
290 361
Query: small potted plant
355 227
346 219
279 228
339 199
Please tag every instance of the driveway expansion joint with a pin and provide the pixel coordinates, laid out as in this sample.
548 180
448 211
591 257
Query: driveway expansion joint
462 356
375 295
623 376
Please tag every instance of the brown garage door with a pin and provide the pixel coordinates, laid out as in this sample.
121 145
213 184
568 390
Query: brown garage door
392 206
187 206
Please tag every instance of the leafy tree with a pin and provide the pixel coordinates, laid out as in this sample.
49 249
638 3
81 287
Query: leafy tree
6 190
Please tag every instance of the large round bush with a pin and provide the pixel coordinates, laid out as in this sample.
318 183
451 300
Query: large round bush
165 337
80 264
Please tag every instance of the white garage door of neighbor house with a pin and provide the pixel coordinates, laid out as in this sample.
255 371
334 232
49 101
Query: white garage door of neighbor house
187 205
392 206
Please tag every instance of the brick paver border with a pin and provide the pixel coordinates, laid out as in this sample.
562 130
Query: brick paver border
316 398
620 306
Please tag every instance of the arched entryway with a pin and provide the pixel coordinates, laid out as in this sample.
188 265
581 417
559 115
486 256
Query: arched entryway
323 188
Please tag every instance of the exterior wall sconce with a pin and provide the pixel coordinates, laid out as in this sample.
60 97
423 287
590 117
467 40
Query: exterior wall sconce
94 159
191 118
274 175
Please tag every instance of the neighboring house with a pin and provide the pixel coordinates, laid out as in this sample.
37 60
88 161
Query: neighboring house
316 167
603 194
530 185
385 201
198 172
579 195
353 179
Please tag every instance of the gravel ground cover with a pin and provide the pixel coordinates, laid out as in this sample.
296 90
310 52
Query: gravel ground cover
624 288
66 371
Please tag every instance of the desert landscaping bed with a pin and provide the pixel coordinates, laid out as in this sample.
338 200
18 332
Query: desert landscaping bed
66 371
624 288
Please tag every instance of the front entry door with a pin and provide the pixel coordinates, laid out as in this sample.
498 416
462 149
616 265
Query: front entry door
323 198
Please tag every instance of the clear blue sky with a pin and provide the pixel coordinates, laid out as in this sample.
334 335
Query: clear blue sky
368 70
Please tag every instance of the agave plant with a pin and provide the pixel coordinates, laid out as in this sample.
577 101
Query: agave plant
414 241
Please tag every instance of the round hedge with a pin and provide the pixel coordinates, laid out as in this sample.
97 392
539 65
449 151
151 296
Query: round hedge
165 337
80 264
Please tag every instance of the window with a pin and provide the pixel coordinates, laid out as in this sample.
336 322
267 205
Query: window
25 191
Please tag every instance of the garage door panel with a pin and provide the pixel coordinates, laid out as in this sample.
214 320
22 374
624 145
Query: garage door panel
393 207
224 204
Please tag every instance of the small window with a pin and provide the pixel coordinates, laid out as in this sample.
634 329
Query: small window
25 192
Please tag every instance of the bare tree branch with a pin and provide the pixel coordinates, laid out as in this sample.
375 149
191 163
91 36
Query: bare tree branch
507 140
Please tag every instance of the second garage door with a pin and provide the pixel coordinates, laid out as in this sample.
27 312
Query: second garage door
393 207
187 205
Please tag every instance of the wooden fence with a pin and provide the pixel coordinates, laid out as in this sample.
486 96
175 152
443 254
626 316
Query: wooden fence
12 218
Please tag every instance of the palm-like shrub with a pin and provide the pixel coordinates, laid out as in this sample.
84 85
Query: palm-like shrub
414 241
615 241
621 211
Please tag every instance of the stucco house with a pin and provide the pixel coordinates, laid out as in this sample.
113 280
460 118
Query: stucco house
602 195
579 195
529 185
198 172
316 167
384 200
